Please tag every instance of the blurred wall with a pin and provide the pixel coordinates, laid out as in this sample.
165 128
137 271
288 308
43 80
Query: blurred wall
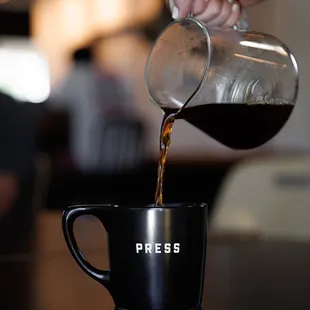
289 20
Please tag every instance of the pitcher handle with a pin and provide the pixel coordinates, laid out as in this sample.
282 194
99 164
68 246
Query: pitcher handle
69 216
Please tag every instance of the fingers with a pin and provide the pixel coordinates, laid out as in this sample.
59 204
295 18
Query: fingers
198 7
212 10
223 13
234 16
215 13
182 8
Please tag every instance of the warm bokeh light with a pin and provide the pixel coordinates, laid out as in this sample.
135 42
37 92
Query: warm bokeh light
58 26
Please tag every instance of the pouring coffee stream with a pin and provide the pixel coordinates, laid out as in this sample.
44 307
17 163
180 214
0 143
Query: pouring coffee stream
164 142
239 87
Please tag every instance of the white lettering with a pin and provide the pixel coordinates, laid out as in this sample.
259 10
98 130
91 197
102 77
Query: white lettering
157 248
176 248
148 248
167 248
139 247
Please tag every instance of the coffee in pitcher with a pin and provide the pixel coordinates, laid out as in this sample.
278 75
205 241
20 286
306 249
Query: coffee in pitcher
239 87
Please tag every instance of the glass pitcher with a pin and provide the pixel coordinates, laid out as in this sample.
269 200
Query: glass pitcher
238 86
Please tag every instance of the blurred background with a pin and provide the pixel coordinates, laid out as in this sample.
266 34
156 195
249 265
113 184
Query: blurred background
76 126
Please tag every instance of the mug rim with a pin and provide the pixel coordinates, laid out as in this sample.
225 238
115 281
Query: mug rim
143 207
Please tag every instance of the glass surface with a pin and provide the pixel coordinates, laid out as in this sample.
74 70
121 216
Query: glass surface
219 66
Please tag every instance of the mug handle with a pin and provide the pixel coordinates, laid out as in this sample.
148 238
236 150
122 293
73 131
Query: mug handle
69 216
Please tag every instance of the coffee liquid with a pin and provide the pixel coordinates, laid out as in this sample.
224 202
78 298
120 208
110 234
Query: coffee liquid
165 137
238 126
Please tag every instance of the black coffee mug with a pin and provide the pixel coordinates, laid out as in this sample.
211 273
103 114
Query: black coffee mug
157 255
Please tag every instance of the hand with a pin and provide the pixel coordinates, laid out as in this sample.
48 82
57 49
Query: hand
215 13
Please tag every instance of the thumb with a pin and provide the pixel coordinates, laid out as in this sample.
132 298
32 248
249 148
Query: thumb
180 8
